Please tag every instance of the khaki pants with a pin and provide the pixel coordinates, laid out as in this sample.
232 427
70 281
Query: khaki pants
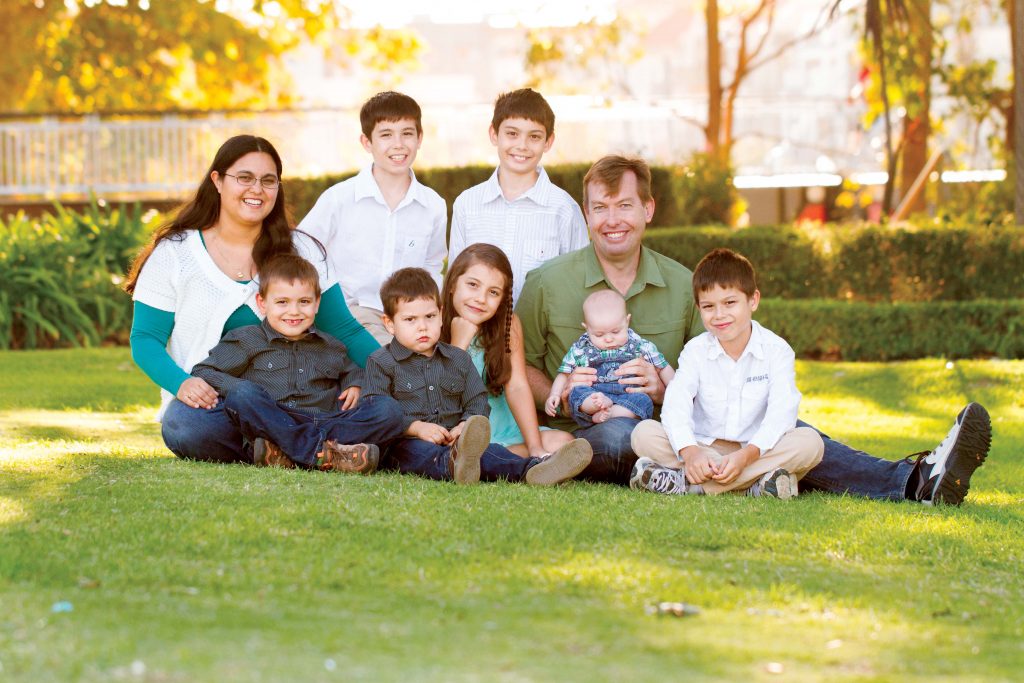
370 319
797 451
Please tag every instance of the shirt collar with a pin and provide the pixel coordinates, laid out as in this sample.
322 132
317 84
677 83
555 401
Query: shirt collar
647 272
755 345
400 352
541 192
365 187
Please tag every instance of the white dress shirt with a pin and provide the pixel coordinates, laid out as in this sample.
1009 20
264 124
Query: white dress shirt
533 228
751 400
366 242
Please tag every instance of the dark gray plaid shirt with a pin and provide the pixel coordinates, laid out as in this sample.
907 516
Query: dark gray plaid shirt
305 375
444 389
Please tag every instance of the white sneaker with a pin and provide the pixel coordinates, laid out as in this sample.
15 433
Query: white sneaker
778 483
953 461
650 476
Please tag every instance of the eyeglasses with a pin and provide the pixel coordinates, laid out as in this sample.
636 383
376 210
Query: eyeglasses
270 182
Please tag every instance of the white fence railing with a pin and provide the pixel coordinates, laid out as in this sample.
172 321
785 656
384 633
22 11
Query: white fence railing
165 156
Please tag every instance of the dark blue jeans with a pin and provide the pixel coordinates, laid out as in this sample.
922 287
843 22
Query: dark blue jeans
640 403
226 433
415 456
613 455
846 470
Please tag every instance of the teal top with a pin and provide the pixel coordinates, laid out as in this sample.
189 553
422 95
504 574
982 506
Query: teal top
151 330
504 428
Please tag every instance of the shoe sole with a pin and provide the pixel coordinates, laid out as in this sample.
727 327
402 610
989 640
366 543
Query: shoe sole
474 440
783 487
968 453
563 464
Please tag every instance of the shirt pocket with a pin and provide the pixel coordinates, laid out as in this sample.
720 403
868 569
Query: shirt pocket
454 387
754 395
412 245
409 389
274 372
537 251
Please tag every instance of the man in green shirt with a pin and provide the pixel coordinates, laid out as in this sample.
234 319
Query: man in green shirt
618 205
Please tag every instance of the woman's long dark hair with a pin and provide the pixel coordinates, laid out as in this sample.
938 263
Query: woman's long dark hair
203 209
495 333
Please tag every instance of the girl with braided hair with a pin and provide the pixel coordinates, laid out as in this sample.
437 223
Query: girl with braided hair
477 316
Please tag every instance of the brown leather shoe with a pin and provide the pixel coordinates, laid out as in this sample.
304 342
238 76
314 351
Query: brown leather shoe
359 458
464 455
268 454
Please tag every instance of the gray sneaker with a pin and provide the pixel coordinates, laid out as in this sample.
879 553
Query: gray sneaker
563 464
471 444
778 483
650 476
953 461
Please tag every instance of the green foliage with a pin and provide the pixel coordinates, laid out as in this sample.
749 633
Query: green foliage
61 276
700 191
94 55
860 331
870 263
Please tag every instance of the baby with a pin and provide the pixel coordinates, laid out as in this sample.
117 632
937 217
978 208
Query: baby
607 344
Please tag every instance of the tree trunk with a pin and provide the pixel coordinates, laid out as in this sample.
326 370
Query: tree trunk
1015 11
917 124
714 47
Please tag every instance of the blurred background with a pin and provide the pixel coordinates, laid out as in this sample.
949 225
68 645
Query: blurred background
128 99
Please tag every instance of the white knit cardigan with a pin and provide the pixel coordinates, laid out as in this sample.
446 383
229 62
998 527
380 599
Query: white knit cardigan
179 276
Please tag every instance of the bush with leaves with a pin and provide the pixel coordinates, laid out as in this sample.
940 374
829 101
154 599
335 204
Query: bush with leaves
62 274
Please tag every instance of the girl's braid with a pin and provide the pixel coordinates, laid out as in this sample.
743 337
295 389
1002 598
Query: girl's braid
508 323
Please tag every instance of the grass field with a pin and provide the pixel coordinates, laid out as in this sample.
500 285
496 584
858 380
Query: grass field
120 562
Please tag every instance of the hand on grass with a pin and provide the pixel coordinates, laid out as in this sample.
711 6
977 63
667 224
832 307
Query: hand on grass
349 398
196 393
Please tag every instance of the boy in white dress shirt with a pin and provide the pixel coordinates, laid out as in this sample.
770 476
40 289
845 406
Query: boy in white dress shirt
382 219
728 422
518 209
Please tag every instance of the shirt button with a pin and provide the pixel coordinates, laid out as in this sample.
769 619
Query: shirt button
291 404
431 388
301 370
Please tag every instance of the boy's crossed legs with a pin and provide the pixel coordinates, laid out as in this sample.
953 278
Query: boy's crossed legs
799 450
473 458
346 440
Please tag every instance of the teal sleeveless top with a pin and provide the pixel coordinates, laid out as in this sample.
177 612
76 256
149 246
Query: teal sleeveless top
504 428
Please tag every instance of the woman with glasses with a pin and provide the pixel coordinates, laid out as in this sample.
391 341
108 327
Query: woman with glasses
198 279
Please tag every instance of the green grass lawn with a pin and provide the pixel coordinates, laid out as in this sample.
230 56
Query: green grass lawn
180 571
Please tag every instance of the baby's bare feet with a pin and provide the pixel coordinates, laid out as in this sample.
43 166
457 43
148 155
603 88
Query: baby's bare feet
595 402
621 411
601 416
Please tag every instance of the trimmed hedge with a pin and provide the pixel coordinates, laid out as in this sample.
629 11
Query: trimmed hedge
866 263
858 331
697 192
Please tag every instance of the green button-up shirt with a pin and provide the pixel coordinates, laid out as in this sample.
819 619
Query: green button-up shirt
550 307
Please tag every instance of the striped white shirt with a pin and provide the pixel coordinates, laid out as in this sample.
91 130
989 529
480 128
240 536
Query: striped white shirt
366 242
535 227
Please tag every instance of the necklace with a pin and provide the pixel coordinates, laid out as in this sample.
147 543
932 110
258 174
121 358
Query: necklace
232 270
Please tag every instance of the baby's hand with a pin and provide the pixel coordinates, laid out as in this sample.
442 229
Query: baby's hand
552 404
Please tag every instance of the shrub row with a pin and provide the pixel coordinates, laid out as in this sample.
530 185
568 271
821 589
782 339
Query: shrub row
865 263
695 193
60 276
859 331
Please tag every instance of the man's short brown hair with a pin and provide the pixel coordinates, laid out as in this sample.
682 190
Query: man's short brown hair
724 268
289 268
524 103
608 172
389 106
408 284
